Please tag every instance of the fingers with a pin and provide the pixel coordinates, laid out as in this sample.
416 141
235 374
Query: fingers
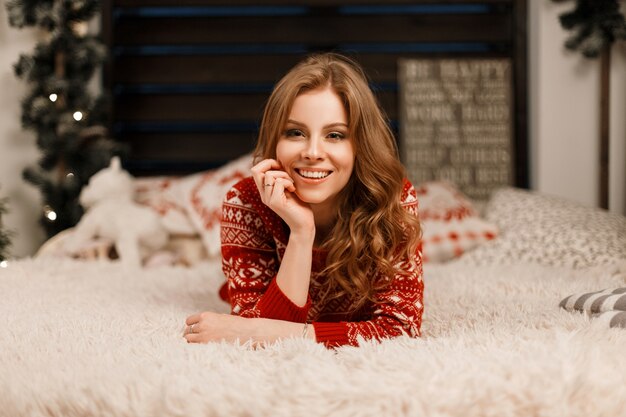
194 318
277 192
265 174
276 195
193 338
289 186
215 327
270 178
265 165
195 328
191 325
259 170
190 329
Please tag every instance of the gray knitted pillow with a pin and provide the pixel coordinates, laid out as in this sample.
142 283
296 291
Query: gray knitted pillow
550 231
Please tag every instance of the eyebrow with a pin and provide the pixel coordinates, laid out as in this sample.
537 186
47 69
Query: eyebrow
337 124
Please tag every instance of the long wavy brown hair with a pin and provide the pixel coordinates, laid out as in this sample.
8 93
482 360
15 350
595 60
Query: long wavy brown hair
372 230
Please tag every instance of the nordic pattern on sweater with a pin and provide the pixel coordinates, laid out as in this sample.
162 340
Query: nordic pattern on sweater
254 239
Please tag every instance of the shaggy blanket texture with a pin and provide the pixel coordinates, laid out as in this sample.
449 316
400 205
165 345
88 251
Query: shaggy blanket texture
89 339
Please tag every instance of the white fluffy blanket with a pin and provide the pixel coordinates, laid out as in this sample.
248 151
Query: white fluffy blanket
82 339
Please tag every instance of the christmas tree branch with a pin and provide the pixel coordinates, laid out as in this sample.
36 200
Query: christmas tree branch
60 107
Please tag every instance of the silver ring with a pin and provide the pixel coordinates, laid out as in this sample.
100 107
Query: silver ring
191 328
268 185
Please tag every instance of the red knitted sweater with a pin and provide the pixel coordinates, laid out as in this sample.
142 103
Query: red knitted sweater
254 239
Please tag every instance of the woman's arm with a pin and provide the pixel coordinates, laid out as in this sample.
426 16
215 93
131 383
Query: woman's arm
399 311
214 327
278 193
254 292
251 233
294 274
265 280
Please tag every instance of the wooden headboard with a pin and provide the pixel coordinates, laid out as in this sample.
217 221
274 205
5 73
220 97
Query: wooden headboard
189 78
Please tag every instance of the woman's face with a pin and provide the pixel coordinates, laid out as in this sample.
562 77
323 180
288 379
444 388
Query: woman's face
315 148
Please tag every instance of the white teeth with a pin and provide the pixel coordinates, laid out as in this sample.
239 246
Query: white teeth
314 174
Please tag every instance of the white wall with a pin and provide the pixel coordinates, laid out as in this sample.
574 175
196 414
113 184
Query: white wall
564 95
17 148
617 190
564 113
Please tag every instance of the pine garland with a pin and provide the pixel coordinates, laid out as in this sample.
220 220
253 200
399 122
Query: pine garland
67 119
596 23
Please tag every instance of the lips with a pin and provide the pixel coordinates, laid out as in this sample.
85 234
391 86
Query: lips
313 174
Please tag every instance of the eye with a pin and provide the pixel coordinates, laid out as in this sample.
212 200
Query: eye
336 135
290 133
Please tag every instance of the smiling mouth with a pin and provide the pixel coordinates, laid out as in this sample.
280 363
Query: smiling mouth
313 175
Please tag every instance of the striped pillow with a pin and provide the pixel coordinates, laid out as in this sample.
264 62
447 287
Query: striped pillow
608 305
613 318
596 302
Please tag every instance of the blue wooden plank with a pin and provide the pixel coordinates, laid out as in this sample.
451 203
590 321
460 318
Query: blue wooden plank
120 128
416 47
267 11
212 49
139 167
208 11
272 48
121 89
193 89
413 9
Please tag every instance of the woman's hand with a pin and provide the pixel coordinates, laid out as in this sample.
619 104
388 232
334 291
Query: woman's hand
278 193
214 327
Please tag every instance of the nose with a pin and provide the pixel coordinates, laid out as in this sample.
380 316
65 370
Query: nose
314 149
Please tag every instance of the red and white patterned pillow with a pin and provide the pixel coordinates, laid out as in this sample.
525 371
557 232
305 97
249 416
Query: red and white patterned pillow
192 205
163 195
450 224
204 194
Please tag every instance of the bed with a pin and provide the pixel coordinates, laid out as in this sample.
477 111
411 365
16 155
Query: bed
90 337
520 316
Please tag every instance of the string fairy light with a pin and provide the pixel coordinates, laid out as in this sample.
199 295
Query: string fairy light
50 214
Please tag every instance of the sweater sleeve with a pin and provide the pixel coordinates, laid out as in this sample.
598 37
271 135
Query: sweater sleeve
250 261
400 305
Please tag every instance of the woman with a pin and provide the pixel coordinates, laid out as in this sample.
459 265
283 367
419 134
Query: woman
322 241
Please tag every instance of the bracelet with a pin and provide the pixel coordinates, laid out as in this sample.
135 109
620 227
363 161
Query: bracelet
305 329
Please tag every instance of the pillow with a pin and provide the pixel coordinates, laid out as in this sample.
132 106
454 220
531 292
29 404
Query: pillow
193 204
613 318
550 231
596 302
203 195
608 306
163 195
450 224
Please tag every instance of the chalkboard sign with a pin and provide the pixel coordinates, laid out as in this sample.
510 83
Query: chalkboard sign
456 122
